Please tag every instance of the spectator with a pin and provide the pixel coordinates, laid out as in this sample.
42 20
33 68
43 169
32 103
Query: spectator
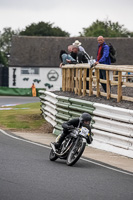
77 43
102 57
66 58
70 50
81 58
80 55
33 90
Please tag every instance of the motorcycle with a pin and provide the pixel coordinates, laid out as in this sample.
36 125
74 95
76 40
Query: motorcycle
72 147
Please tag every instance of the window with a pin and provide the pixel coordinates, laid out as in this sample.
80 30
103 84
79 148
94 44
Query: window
29 70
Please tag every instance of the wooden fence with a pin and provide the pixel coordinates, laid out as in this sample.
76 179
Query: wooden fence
74 79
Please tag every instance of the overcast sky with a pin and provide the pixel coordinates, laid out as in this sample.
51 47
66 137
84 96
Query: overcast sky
70 15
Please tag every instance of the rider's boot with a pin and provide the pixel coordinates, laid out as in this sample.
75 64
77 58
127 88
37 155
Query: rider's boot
58 144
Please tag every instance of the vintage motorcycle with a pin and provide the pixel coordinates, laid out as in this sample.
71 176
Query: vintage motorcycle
72 147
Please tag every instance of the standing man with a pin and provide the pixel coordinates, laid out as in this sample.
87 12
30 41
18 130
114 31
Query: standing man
102 57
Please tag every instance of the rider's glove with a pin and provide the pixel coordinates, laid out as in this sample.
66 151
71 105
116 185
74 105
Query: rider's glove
70 128
89 139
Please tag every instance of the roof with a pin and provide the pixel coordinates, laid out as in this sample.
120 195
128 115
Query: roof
38 51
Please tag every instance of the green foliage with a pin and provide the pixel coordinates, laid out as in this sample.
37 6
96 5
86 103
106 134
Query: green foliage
106 29
43 29
5 44
3 60
131 34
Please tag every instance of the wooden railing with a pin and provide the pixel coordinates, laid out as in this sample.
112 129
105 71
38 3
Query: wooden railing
74 79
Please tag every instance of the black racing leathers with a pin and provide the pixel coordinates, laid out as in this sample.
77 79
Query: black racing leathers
74 123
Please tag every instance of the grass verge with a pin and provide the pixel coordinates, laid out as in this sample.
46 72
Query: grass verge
25 117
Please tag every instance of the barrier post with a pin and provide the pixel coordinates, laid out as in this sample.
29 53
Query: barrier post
63 79
108 84
72 79
69 79
119 92
76 89
90 82
80 82
97 82
84 81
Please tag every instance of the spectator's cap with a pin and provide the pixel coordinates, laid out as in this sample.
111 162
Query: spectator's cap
77 43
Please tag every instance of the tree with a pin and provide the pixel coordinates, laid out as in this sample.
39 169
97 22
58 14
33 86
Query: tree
131 34
43 29
5 44
3 61
106 29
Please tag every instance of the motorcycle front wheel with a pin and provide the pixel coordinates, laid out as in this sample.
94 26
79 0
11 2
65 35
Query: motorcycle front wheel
76 152
52 155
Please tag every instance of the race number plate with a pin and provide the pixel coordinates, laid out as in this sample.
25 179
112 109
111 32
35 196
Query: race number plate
84 131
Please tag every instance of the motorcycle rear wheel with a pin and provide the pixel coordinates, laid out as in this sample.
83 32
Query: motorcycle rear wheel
76 153
52 155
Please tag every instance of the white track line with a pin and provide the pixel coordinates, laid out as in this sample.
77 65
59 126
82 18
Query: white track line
24 140
41 145
111 168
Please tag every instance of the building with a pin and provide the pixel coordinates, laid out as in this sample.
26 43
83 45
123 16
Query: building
36 59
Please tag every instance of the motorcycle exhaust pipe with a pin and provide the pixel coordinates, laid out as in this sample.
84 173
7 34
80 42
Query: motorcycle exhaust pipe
59 154
53 147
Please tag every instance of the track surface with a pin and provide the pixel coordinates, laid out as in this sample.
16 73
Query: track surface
26 173
4 100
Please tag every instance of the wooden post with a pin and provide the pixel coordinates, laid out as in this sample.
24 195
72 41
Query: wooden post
97 82
69 79
72 79
66 80
90 82
84 81
63 79
108 84
119 90
80 82
126 76
114 73
76 89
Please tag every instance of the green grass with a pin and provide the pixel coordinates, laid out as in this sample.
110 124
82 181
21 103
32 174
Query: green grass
26 116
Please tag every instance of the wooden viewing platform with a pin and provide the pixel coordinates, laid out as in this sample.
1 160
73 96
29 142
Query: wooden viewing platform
74 78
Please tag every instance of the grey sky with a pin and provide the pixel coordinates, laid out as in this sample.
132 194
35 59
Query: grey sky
70 15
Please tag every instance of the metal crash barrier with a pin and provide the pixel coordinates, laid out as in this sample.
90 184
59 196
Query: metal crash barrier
112 127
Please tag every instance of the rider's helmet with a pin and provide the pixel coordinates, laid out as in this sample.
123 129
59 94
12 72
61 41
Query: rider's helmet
85 119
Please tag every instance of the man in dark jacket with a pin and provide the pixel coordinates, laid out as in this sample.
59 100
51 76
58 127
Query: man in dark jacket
102 57
80 56
83 120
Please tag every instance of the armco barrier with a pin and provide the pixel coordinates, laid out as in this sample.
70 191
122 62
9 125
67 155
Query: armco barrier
110 112
112 127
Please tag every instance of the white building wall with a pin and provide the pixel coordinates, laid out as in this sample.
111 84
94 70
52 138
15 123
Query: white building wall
46 76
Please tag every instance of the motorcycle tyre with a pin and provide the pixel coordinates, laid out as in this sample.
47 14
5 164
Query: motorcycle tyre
71 163
52 155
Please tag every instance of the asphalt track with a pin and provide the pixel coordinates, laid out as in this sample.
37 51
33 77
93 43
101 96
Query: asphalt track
5 100
26 173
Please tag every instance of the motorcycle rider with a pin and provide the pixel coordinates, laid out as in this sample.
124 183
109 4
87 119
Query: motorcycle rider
83 120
